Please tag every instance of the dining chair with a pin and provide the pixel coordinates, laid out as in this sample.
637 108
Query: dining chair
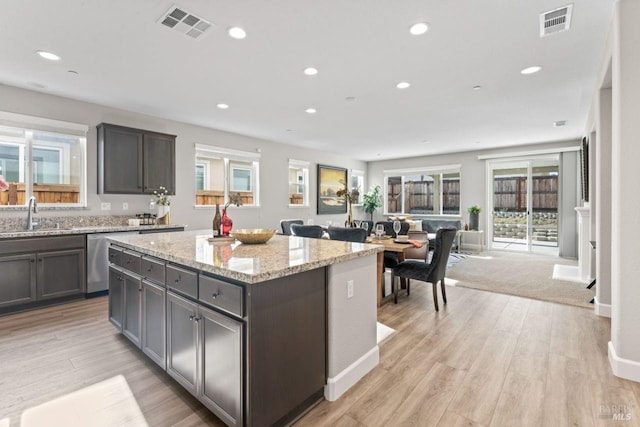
300 230
285 224
391 258
432 272
348 234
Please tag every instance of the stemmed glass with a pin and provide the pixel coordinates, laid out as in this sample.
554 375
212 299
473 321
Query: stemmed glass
379 230
357 223
396 227
365 225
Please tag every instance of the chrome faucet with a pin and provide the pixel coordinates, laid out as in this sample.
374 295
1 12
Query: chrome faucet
33 208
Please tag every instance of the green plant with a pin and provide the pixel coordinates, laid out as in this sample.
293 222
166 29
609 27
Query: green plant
372 200
234 199
162 197
475 209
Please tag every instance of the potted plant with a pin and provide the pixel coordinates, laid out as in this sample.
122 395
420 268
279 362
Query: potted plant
474 211
372 200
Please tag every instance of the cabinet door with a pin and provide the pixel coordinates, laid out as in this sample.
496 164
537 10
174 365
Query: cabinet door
159 164
60 273
221 385
131 323
18 279
182 341
116 297
120 160
153 322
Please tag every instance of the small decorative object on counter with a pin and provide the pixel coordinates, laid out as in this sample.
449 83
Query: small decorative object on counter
227 223
348 197
163 201
217 221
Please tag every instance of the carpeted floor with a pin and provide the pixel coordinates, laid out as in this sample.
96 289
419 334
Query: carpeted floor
524 275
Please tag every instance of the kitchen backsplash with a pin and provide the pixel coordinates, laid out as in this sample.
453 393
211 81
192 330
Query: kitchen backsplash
10 224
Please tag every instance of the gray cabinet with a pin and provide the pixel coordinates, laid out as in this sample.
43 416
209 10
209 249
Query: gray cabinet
60 273
18 279
132 289
134 161
182 341
153 322
40 269
116 297
221 365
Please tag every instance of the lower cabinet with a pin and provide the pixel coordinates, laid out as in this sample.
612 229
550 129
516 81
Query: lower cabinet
116 297
205 355
131 324
60 273
18 279
153 322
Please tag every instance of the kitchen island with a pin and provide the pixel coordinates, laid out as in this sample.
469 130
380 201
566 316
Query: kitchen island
258 333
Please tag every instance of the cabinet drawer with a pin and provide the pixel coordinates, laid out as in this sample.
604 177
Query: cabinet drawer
37 244
153 269
182 280
223 295
131 261
115 255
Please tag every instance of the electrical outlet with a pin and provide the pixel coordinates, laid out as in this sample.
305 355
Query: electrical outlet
125 206
105 206
349 288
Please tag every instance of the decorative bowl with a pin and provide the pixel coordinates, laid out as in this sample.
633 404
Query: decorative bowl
253 235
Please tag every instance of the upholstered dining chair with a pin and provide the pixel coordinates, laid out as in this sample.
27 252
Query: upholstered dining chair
432 272
314 231
421 253
388 228
348 234
285 224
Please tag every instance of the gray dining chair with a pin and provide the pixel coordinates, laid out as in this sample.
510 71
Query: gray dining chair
388 228
348 234
285 224
314 231
431 272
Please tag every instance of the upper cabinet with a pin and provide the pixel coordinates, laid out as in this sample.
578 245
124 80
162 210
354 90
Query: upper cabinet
135 161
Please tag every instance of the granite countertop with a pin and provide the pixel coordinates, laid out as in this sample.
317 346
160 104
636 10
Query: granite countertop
281 256
81 230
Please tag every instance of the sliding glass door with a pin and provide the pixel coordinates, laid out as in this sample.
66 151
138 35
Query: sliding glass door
524 204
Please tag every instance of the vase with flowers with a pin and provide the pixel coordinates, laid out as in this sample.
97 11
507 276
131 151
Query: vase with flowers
163 201
349 200
227 223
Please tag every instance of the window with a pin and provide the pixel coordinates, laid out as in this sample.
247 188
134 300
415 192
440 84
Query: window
220 171
298 183
42 158
428 191
356 185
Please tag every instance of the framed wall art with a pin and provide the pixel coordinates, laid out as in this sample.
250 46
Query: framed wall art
331 180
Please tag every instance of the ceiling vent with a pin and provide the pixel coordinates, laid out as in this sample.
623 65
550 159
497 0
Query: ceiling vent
555 21
559 123
185 22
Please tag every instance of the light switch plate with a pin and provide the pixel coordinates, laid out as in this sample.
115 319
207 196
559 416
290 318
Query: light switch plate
125 206
105 206
349 289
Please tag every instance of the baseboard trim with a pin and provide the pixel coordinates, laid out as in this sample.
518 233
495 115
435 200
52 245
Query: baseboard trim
623 368
337 385
603 310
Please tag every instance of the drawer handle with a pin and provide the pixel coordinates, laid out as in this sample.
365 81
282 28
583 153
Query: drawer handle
150 268
197 319
192 317
216 295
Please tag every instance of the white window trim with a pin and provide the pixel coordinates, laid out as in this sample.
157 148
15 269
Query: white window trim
304 166
228 155
428 170
41 124
359 173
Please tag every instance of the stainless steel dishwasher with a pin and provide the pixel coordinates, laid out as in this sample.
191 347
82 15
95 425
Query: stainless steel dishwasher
98 260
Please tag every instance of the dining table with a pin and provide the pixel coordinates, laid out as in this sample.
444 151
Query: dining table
389 245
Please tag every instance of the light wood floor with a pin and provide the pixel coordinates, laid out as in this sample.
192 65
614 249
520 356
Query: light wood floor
484 360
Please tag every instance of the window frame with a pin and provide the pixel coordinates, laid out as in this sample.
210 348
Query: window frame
439 170
228 157
31 125
303 166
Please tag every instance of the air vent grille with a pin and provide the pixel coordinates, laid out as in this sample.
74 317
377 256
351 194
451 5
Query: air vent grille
555 21
185 22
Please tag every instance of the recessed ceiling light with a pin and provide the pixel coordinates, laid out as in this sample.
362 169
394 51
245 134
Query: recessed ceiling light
310 71
403 85
222 106
350 98
559 123
477 87
48 55
237 33
419 28
288 130
37 85
310 110
531 70
74 72
426 142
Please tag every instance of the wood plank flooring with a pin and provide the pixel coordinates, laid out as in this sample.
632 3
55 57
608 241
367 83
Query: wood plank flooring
484 360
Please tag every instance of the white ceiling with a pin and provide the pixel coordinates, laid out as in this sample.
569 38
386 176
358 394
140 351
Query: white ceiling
362 48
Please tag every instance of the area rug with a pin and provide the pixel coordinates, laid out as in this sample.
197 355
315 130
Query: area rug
524 275
383 332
